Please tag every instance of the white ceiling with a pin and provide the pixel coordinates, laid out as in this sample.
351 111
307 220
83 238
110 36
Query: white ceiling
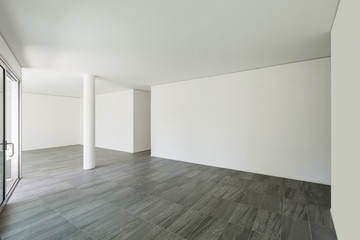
143 43
62 83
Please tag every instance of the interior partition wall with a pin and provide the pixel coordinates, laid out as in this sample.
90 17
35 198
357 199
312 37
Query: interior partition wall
10 137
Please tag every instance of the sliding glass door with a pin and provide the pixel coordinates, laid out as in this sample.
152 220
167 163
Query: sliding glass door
2 135
9 132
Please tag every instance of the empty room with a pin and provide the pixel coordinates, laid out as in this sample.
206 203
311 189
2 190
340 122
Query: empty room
174 120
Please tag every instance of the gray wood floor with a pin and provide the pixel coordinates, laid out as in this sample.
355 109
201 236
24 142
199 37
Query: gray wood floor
135 196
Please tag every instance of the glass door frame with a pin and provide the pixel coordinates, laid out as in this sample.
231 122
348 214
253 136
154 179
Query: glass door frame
9 72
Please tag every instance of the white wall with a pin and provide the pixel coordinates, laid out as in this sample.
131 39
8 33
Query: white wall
274 121
49 121
9 57
345 116
123 120
141 120
115 121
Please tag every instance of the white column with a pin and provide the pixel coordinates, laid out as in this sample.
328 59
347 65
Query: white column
89 121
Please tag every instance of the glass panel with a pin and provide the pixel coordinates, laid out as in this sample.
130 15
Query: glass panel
11 132
2 80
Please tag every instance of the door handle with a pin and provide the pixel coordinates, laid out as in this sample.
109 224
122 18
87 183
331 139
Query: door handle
12 149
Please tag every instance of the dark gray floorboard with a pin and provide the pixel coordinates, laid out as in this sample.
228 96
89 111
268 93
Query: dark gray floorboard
233 231
295 229
162 213
187 223
268 223
244 216
319 215
261 236
295 209
322 233
252 198
272 203
135 196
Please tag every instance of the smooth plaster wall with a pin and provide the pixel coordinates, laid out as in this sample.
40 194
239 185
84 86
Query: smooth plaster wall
273 121
345 117
49 121
123 120
142 101
115 121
